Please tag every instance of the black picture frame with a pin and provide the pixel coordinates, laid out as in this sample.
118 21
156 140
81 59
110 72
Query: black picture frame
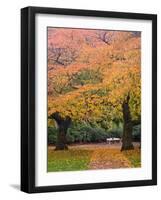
28 98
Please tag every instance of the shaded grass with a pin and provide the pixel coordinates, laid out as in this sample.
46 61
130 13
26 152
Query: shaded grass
134 156
70 160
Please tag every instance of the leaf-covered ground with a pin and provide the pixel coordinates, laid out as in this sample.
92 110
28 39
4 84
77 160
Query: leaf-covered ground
85 157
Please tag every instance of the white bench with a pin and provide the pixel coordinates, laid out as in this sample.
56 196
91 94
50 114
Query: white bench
113 140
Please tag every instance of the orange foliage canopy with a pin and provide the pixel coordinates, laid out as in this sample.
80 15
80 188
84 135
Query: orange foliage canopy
103 68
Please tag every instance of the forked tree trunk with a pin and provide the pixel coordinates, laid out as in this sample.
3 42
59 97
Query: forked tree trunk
63 125
127 126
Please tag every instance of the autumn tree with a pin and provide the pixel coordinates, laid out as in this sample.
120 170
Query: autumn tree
102 83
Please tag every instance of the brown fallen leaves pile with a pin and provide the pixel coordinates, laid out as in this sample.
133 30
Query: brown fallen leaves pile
108 159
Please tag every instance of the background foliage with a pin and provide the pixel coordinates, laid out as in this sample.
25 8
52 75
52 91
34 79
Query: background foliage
79 133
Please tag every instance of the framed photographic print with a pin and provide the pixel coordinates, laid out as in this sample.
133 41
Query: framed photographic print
88 99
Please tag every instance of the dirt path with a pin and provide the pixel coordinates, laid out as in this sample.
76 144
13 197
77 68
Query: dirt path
104 158
101 145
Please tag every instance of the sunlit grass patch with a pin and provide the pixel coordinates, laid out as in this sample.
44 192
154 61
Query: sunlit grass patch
70 160
134 156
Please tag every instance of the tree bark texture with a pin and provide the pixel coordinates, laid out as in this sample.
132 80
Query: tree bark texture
127 126
63 125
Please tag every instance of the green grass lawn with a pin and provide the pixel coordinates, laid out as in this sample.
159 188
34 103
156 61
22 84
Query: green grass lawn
77 158
68 160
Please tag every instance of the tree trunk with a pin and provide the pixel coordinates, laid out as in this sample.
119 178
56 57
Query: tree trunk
127 127
61 143
63 125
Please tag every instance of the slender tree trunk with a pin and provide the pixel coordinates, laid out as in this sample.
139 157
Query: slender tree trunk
127 126
63 125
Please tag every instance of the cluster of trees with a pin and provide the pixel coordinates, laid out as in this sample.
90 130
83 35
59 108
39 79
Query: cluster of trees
94 77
